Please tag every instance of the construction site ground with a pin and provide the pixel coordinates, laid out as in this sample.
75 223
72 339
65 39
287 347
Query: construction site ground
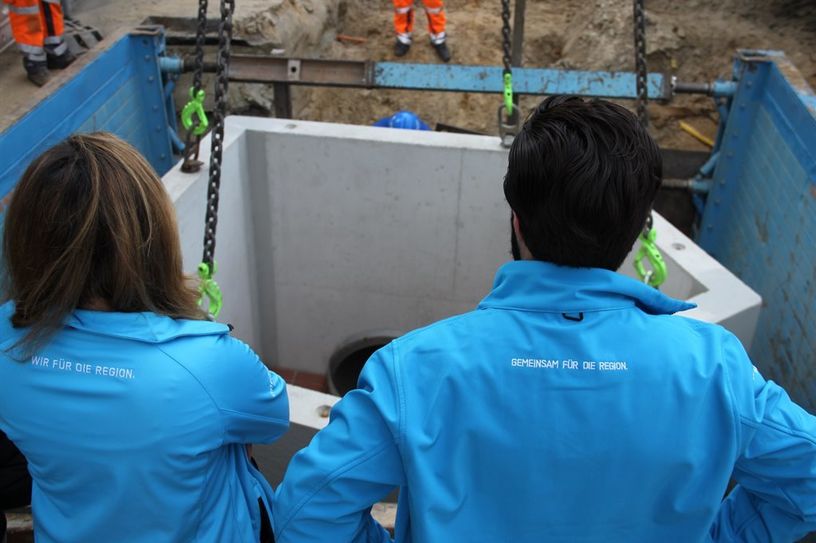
694 40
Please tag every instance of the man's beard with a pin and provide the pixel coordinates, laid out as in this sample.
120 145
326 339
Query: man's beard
514 245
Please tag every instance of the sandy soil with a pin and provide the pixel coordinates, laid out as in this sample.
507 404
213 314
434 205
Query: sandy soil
693 39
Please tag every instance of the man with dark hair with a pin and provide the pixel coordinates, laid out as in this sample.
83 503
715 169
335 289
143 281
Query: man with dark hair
581 180
571 405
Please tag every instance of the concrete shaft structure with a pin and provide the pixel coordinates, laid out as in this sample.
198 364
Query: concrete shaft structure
331 231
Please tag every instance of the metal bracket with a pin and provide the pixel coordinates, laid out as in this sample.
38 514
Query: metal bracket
368 75
508 127
293 69
148 30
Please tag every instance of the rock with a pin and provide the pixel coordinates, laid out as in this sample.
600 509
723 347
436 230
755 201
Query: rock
296 26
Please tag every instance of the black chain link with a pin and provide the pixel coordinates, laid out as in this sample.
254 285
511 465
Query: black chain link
508 123
217 134
201 35
191 143
506 37
641 71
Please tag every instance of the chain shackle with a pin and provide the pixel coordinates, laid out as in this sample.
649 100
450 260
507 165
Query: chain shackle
217 135
641 70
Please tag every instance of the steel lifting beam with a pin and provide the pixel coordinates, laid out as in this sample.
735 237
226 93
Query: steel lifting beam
452 78
437 77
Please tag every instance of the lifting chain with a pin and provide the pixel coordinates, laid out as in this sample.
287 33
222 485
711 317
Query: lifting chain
657 273
641 71
192 141
206 270
508 114
217 135
507 72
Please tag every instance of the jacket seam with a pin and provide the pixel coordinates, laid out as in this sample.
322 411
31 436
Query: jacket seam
150 327
557 311
220 422
207 392
328 479
779 428
401 408
734 409
252 416
747 522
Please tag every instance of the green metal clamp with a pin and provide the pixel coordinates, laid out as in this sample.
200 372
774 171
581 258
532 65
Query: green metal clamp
195 107
209 288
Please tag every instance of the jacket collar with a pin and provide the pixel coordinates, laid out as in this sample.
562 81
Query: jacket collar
533 285
146 326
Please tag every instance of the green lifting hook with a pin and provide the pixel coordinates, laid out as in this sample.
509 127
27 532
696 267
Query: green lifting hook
209 288
195 107
508 92
655 276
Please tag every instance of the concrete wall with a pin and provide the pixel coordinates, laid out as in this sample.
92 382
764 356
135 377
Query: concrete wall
328 231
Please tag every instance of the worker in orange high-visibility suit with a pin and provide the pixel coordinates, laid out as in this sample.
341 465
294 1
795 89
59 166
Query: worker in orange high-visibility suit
37 27
404 25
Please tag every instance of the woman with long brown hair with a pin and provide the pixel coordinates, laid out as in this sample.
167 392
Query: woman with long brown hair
132 409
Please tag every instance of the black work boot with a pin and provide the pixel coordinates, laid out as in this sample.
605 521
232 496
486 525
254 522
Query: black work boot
37 71
60 62
442 50
400 48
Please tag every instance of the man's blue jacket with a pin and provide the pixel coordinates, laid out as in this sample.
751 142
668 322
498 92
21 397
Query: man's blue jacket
570 406
134 426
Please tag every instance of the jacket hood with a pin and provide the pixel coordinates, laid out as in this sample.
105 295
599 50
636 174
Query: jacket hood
145 326
533 285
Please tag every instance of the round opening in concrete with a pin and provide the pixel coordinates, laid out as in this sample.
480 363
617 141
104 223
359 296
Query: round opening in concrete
348 360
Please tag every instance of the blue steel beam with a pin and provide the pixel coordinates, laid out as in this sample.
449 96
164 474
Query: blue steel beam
536 81
436 77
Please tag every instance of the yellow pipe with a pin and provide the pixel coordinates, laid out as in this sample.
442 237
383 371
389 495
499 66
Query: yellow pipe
696 134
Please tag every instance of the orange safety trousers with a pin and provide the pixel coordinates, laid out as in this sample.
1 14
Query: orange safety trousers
37 27
404 19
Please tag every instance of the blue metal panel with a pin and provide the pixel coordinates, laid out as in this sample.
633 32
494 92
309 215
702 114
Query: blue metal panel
119 91
540 81
760 216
